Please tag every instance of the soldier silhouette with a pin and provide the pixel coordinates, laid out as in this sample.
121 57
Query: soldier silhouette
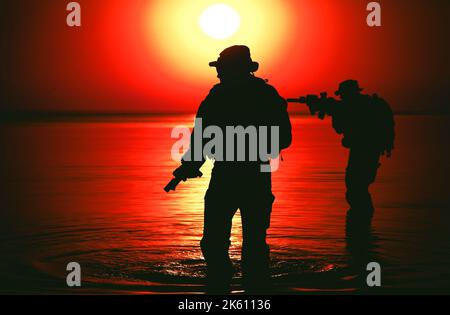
367 125
240 99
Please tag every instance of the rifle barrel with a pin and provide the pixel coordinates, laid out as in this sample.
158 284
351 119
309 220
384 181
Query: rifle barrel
172 184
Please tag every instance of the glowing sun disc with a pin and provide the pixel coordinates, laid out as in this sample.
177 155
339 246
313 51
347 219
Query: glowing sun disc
219 21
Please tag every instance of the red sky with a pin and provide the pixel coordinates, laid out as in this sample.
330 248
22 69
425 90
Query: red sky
146 56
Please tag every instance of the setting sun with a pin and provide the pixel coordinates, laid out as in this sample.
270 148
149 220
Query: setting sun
186 35
219 21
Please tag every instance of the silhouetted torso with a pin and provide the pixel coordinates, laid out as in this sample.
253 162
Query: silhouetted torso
247 102
366 122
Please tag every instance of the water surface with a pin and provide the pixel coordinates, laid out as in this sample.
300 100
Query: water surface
92 192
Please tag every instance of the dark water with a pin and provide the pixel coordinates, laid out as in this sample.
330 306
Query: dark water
91 192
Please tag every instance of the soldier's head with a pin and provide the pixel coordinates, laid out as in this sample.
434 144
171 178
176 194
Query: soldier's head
348 89
234 63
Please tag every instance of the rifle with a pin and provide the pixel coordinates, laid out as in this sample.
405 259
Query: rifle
322 105
172 185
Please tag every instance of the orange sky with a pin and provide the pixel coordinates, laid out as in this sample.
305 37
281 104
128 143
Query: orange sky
151 56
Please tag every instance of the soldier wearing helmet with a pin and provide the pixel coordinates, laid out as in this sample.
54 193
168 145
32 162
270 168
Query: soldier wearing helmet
240 99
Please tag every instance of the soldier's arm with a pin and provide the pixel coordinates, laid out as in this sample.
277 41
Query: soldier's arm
285 126
388 117
282 119
193 159
338 118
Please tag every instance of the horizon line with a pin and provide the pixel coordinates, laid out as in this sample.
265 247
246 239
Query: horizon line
62 113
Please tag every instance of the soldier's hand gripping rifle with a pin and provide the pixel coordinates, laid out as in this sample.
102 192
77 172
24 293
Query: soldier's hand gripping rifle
181 174
322 105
